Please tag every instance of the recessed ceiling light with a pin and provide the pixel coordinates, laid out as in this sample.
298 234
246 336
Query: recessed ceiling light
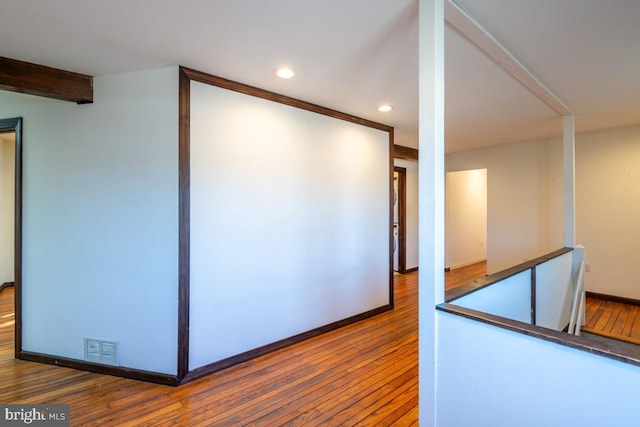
385 108
285 73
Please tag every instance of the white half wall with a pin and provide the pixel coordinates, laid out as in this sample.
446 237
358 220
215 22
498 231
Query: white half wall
608 209
554 290
412 210
7 206
289 222
493 377
100 239
465 217
524 199
510 298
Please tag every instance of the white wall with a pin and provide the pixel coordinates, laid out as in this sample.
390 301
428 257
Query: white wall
465 217
554 289
608 209
101 219
289 222
7 159
510 298
492 377
412 210
524 199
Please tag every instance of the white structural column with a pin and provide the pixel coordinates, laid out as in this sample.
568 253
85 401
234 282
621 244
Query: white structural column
431 197
569 155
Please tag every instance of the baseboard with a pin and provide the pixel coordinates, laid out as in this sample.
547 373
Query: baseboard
7 285
117 371
466 264
260 351
613 298
410 270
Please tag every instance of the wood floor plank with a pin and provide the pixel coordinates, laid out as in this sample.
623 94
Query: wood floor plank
630 321
613 318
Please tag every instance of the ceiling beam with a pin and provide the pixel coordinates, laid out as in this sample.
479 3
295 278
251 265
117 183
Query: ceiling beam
459 19
407 153
33 79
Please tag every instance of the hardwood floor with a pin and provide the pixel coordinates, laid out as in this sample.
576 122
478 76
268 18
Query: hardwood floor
613 319
462 275
365 374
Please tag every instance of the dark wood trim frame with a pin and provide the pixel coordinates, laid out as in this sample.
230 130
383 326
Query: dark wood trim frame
34 79
117 371
251 354
15 125
184 167
613 298
533 295
402 218
407 153
186 75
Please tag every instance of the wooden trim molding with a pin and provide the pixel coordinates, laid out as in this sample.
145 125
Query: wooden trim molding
276 97
251 354
613 298
34 79
184 167
117 371
533 295
406 153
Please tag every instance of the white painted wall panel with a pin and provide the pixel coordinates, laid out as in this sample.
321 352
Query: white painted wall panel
554 292
510 298
100 200
492 377
289 222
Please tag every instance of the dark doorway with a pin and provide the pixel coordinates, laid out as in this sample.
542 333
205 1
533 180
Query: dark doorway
399 219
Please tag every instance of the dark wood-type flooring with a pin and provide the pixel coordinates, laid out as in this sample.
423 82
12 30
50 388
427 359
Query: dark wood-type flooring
460 276
613 319
365 374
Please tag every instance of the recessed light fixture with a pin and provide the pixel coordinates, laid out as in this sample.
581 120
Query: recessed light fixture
385 108
285 73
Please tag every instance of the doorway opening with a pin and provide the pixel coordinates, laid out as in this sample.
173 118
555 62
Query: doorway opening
399 219
10 231
465 218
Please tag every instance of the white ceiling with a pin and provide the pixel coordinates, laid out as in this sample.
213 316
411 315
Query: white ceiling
352 55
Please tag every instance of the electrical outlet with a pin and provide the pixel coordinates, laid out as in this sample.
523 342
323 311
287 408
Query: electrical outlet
99 351
587 268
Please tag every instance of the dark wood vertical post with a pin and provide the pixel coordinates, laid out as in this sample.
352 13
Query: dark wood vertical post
184 100
533 295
